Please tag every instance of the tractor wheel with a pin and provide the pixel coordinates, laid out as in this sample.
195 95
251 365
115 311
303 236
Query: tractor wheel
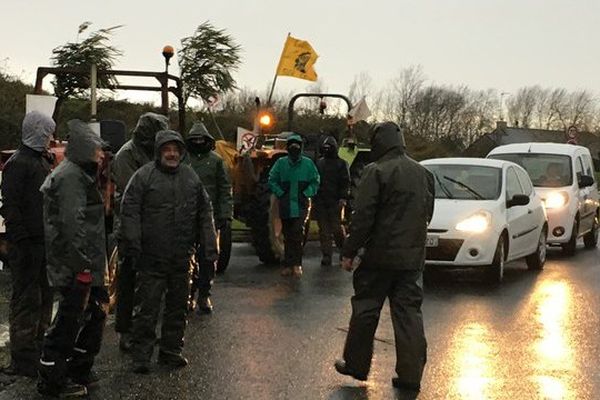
265 229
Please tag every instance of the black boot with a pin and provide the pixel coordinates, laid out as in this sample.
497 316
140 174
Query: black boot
172 360
342 368
326 260
204 305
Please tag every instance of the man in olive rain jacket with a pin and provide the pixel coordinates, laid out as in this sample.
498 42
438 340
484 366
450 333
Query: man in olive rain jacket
393 206
214 176
76 257
139 150
165 216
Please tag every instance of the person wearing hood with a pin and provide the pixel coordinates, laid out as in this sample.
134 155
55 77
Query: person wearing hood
30 307
139 150
77 269
294 180
331 198
393 206
214 176
165 216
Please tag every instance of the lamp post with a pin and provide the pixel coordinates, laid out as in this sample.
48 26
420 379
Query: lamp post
167 53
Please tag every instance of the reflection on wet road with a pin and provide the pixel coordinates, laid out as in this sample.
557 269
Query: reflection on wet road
536 336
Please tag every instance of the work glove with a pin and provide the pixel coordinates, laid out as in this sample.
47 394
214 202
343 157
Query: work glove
84 277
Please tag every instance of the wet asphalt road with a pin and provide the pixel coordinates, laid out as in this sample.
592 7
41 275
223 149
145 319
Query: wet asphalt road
534 337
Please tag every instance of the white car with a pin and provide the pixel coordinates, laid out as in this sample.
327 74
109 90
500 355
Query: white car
563 176
486 213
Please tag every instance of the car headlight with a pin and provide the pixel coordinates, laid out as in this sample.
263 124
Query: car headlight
476 223
556 200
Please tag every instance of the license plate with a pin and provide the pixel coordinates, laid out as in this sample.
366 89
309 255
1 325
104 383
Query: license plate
432 241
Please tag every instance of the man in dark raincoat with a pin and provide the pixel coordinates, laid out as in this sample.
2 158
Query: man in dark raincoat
165 215
214 176
76 254
139 150
294 180
31 302
394 204
331 198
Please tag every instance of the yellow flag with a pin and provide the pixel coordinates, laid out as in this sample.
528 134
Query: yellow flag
297 60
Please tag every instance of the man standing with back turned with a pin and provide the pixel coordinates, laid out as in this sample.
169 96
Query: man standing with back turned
394 204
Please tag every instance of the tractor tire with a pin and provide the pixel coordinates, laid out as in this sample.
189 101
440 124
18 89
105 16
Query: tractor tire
267 243
224 249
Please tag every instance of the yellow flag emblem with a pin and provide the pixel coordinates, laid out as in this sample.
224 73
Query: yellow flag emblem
297 60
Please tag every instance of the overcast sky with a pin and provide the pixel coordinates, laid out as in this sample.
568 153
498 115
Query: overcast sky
501 44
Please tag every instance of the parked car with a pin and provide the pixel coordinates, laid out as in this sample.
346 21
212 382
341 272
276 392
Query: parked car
563 176
486 214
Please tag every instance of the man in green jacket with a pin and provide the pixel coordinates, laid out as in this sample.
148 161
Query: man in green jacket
393 206
165 216
214 176
294 180
76 264
139 150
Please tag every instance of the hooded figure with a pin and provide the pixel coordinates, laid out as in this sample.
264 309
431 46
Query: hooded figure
31 300
293 179
393 206
138 151
76 257
214 176
331 197
166 215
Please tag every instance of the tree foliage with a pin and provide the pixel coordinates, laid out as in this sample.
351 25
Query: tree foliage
207 60
93 50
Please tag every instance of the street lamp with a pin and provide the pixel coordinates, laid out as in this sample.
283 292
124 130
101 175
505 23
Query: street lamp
167 53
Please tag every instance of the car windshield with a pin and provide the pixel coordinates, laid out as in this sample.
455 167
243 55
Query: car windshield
545 170
466 182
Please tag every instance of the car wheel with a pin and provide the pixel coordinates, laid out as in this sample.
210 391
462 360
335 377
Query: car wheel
570 247
591 238
536 260
496 270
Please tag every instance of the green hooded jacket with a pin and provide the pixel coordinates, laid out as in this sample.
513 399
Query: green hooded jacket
165 214
392 208
213 173
138 151
74 212
294 183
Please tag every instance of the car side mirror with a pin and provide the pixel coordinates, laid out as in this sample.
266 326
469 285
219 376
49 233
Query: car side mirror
518 200
585 181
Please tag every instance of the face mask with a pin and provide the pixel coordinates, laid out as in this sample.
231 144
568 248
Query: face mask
328 151
294 151
199 147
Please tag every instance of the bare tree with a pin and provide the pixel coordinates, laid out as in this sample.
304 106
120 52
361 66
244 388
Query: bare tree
362 86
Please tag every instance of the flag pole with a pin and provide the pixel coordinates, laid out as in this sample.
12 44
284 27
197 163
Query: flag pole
276 71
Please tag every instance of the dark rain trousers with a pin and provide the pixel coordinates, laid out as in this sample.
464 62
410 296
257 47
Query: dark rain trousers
125 295
293 238
404 289
150 287
330 228
202 276
30 309
75 336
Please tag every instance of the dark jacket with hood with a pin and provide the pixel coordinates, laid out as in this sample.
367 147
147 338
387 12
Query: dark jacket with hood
393 206
74 212
165 213
22 177
335 177
212 172
294 182
136 152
